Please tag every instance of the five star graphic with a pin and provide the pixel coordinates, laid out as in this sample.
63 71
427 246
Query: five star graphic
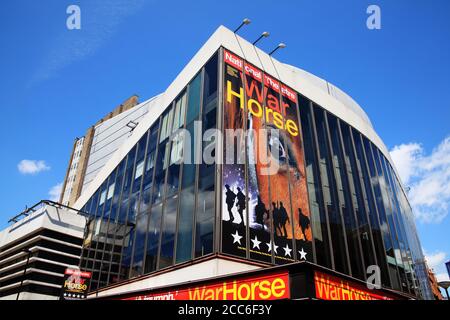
302 254
256 243
269 247
236 238
287 250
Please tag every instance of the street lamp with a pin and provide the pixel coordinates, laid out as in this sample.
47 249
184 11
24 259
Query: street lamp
244 22
280 46
445 285
28 251
265 34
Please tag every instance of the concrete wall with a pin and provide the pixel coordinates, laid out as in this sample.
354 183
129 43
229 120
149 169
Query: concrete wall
47 217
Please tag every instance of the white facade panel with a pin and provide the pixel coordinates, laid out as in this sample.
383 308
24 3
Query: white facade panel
199 271
109 136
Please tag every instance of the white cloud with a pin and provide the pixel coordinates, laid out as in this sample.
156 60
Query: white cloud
427 176
443 276
32 166
404 157
55 192
435 260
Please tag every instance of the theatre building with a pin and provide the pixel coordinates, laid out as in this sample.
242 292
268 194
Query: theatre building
293 194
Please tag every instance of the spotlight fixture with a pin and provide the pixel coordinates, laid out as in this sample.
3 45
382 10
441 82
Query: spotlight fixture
244 22
281 45
265 34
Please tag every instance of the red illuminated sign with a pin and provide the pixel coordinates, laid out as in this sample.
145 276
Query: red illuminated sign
329 287
272 83
288 93
253 72
267 287
78 273
233 60
76 284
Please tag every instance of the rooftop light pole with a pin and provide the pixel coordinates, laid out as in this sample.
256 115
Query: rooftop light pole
280 46
265 34
244 22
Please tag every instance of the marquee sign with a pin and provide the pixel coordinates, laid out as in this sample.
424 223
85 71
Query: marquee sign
329 287
273 286
76 284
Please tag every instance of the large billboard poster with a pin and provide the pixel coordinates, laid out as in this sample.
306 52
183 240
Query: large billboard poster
276 199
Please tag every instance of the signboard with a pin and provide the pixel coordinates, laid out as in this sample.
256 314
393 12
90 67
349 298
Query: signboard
76 284
329 287
265 210
273 286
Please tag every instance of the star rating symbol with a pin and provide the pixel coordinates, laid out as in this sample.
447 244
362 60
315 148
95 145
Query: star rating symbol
256 243
302 254
287 251
269 247
236 238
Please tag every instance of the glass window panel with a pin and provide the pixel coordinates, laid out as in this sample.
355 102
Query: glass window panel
138 259
102 197
345 200
111 191
194 99
139 169
210 85
160 173
154 227
206 197
388 205
185 225
364 230
131 224
318 215
330 196
376 231
189 168
384 226
168 232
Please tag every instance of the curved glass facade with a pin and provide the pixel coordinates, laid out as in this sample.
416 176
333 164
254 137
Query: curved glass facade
335 199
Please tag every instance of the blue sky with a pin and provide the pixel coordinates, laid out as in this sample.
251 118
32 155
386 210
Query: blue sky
54 82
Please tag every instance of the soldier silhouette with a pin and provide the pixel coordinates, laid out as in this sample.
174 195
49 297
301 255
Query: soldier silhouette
284 218
230 197
276 218
260 209
240 204
303 221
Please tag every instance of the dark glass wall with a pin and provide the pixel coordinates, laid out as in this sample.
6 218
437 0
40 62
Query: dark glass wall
155 209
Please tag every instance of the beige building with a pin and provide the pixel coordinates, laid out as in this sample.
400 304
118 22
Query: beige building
81 159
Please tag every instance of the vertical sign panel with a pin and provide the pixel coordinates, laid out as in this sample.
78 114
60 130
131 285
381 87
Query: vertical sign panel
259 108
234 199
